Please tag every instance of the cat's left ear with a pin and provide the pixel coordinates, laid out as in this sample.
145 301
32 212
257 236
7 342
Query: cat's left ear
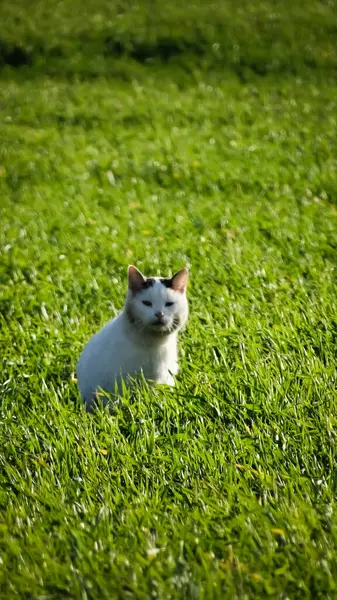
136 279
179 281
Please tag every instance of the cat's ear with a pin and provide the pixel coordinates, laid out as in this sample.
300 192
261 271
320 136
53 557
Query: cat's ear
135 279
179 281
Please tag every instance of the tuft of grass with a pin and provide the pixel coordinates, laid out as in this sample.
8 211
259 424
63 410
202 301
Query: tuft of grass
224 487
264 36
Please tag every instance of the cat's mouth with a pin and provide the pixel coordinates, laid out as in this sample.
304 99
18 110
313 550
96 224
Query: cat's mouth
167 326
160 326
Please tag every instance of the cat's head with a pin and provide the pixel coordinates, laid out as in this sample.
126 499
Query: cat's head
157 305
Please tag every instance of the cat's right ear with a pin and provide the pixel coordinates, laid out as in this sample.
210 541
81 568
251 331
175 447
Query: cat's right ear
135 279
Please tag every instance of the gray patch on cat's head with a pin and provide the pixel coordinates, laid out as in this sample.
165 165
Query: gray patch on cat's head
148 282
178 282
138 282
166 282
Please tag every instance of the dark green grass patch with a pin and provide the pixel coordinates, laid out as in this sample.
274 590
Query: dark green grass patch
90 39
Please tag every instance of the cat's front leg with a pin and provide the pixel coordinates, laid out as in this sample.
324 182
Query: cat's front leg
170 380
166 377
171 373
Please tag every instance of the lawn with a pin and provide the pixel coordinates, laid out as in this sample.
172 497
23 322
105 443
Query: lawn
199 134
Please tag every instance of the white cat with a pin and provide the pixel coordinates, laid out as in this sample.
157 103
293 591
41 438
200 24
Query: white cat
141 339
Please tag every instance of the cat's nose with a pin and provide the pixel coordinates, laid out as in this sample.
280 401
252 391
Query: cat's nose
159 315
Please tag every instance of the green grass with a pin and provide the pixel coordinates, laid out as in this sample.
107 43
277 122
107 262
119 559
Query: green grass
224 487
89 38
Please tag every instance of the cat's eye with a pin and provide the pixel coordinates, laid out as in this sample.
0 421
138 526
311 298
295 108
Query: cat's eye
147 302
169 303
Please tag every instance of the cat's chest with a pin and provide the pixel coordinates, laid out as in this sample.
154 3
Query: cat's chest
152 361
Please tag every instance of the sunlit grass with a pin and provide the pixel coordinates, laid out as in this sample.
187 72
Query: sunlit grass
225 486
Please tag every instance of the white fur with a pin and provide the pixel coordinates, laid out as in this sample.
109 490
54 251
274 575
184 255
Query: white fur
131 343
